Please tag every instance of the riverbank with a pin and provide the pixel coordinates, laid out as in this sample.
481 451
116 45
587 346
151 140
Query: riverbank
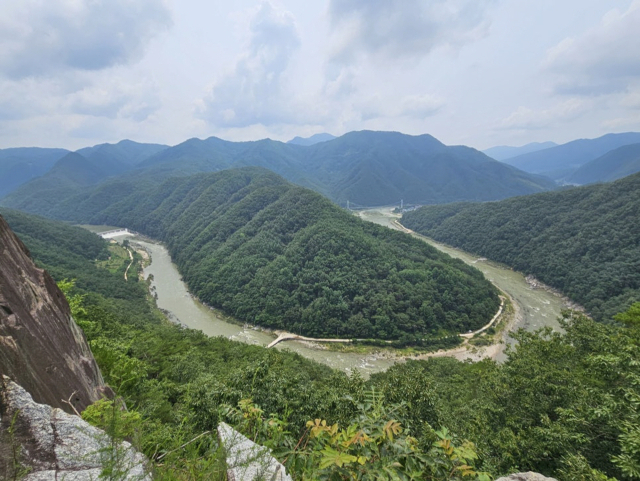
526 309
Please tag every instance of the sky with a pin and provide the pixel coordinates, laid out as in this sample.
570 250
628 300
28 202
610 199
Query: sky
75 73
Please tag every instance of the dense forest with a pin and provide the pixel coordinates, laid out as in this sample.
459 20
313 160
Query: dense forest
366 168
281 256
584 241
563 404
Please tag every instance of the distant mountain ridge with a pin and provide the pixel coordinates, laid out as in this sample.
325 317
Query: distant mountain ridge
613 165
367 168
19 165
314 139
78 170
561 161
364 168
503 152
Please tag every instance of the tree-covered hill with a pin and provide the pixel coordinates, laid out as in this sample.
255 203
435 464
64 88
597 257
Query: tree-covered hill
584 241
367 168
613 165
74 172
282 256
562 404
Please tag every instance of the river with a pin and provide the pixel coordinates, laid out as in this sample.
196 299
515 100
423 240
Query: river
535 307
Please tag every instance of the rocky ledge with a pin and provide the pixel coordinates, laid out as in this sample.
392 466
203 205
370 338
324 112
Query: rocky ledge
41 443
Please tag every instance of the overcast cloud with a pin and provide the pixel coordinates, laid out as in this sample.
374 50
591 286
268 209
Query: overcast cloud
255 92
604 59
45 37
404 28
475 72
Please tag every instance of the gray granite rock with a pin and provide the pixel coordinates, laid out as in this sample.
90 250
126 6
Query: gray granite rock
248 461
528 476
55 445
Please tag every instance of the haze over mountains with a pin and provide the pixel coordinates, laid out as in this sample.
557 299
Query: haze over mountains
19 165
503 152
314 139
366 168
560 162
613 165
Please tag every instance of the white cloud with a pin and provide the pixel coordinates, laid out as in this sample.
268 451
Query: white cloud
113 98
404 28
45 37
110 97
605 59
525 118
412 106
257 90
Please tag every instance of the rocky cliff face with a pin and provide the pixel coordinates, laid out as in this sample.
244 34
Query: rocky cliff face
41 347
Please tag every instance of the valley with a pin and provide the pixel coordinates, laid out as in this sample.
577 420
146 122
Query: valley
319 241
534 308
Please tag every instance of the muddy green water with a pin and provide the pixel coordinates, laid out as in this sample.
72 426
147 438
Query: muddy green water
536 307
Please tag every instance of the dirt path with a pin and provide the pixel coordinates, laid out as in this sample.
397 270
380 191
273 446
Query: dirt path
130 263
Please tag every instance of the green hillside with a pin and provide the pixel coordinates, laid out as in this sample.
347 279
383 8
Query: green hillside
562 404
281 256
583 241
61 174
366 168
613 165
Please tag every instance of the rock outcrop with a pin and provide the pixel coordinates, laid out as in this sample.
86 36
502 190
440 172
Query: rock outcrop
248 461
41 347
528 476
44 443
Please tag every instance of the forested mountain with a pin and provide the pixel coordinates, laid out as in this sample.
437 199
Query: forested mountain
561 161
378 168
503 152
613 165
367 168
77 171
314 139
282 256
120 157
20 165
563 404
583 241
70 174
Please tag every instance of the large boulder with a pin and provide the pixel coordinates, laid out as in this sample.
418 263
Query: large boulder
43 443
248 461
41 347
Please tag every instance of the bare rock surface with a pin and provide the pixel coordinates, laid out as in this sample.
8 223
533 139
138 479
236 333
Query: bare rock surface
248 461
41 347
528 476
53 445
